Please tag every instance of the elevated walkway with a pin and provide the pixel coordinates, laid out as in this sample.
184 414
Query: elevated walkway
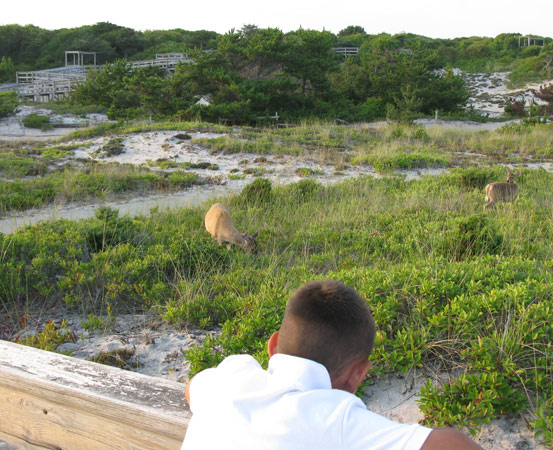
57 83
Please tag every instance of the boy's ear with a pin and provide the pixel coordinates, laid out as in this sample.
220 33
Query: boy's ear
272 344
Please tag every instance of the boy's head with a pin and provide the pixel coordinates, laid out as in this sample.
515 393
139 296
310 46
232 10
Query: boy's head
327 322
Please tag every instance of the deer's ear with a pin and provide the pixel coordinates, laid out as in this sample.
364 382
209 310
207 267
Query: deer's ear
517 174
255 235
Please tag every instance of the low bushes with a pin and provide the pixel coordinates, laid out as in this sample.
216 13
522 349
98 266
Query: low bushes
37 121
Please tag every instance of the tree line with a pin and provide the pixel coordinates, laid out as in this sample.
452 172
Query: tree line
253 72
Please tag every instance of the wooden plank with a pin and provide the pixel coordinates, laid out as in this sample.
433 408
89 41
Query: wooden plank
54 401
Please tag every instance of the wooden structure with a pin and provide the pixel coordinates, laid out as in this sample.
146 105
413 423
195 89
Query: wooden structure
167 61
55 401
78 57
346 51
527 41
48 85
55 84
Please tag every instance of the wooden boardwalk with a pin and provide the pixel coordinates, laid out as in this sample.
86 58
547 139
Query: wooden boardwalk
55 84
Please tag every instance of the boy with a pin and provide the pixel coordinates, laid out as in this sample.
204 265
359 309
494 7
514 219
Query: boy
305 400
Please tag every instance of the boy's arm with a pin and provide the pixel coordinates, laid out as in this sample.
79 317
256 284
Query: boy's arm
449 438
187 391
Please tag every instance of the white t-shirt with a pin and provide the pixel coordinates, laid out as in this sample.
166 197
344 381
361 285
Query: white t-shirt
292 405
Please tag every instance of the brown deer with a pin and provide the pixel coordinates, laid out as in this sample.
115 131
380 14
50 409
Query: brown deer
501 191
219 224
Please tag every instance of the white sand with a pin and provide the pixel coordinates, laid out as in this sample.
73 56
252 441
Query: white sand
489 92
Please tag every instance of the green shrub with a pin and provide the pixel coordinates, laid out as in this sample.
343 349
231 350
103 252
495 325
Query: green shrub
258 192
51 337
107 229
471 236
16 166
543 423
471 400
114 147
37 121
7 71
302 191
182 179
474 177
421 135
8 103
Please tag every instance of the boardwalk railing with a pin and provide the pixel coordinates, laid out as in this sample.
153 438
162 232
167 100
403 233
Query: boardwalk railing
54 84
165 62
45 77
48 400
346 51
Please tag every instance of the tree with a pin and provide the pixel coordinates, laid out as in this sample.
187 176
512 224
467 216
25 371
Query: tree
8 102
7 70
110 88
443 90
124 41
352 81
82 39
309 57
410 80
253 52
348 31
23 44
147 84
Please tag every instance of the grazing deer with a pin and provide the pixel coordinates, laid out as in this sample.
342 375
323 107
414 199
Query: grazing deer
219 224
501 191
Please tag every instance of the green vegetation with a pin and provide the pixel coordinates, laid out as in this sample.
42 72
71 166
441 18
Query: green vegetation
51 337
7 70
453 289
37 121
67 107
254 72
389 159
115 128
250 74
8 102
118 358
12 166
33 48
168 164
96 181
32 180
449 286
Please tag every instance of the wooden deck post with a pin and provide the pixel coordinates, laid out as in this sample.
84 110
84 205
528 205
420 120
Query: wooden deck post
48 400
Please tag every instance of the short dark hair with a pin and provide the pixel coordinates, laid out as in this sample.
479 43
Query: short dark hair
327 322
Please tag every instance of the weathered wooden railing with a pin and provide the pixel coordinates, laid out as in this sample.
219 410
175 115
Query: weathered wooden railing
44 77
168 63
55 84
346 51
48 400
